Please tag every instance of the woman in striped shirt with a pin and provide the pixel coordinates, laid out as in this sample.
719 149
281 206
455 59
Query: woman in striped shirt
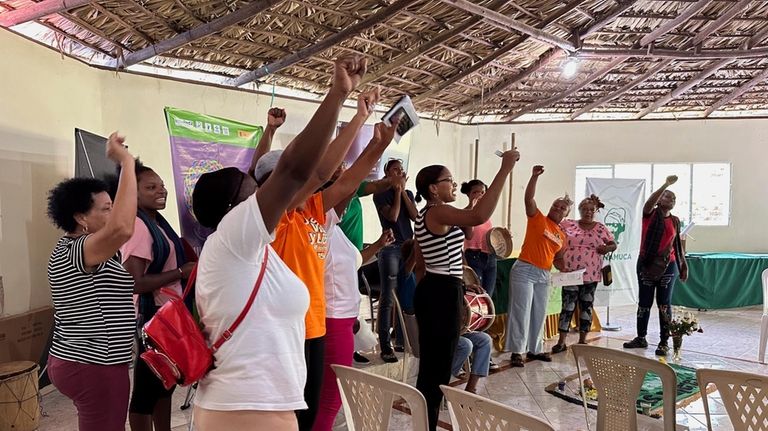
94 320
438 299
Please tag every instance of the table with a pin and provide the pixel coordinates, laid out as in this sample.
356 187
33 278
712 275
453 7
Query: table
721 280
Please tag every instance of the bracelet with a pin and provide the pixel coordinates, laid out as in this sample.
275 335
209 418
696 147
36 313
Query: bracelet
181 273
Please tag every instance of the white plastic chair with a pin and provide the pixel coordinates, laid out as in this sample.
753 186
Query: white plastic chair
367 400
744 395
618 376
470 412
764 320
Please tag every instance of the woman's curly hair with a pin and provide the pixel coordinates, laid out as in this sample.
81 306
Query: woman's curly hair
70 197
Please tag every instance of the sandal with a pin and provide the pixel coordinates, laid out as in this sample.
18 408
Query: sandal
559 348
516 360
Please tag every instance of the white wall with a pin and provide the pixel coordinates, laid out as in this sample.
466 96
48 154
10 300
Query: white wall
45 97
560 147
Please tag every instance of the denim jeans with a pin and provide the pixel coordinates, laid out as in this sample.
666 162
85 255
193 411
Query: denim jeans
477 344
390 271
484 265
528 297
662 289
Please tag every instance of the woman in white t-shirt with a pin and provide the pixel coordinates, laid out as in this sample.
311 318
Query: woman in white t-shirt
259 375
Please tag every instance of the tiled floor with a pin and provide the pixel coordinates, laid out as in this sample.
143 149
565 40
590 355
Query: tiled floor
730 341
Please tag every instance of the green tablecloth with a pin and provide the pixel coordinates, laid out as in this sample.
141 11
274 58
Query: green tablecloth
721 280
501 293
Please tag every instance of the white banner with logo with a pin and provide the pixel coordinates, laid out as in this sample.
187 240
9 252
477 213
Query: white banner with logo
623 199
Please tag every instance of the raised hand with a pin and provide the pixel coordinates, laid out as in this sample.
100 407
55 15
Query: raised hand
383 134
348 71
671 180
366 102
116 149
537 170
509 158
386 238
275 117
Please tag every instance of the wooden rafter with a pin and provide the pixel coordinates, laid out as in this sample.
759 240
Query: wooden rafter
512 24
632 84
757 38
425 47
602 21
672 24
203 30
682 88
39 10
378 17
571 90
715 25
499 52
677 54
728 98
506 83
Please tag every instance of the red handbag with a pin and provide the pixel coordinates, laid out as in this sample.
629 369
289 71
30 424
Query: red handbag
176 349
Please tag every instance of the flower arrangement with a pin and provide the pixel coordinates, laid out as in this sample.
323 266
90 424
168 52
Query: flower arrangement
683 323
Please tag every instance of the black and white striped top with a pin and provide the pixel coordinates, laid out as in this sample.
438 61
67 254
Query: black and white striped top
442 253
94 319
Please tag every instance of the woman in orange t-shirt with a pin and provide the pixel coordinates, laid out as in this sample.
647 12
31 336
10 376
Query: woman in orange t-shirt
529 276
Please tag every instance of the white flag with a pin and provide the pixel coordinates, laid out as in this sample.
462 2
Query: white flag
623 199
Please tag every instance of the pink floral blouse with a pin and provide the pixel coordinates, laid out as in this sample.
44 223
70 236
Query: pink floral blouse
581 252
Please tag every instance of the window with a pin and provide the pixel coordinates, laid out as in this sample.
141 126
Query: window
703 190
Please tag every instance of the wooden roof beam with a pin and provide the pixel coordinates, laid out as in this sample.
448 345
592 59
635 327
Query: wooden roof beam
672 24
571 90
728 98
506 83
381 15
675 54
499 52
203 30
38 10
683 88
652 71
757 38
607 19
511 24
712 27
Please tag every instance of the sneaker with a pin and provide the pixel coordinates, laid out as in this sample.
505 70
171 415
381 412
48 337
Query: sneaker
544 357
636 343
558 348
662 349
388 356
360 359
493 366
516 360
461 374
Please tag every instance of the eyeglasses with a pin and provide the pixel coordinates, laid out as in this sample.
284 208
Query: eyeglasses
449 179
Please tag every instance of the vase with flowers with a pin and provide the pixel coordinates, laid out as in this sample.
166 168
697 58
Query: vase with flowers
682 323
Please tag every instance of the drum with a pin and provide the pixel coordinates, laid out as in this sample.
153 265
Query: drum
479 311
19 405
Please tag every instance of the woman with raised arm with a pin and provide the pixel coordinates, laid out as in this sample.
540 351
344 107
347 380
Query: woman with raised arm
588 241
94 320
260 371
661 261
439 295
529 276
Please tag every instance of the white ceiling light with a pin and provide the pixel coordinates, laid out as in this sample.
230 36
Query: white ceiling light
570 67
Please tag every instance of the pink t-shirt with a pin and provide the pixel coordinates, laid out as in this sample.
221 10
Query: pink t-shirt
140 245
581 252
478 240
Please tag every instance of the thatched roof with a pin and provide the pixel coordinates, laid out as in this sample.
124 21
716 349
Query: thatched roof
457 59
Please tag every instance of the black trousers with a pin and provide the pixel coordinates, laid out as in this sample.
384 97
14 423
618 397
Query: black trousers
438 301
314 351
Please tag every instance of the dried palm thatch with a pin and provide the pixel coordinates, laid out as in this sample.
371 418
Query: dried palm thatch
457 59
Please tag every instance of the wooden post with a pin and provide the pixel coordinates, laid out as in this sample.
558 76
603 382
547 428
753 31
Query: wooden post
477 146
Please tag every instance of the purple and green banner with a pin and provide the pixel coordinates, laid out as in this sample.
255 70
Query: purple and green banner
199 144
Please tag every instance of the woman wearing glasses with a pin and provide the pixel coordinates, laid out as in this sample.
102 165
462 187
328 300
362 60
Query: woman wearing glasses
439 294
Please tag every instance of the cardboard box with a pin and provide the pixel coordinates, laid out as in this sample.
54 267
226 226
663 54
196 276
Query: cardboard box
24 337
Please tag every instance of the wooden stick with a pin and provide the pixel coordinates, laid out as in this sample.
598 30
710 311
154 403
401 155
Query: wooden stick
509 189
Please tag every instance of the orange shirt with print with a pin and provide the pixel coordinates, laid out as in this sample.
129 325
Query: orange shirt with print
543 239
301 242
